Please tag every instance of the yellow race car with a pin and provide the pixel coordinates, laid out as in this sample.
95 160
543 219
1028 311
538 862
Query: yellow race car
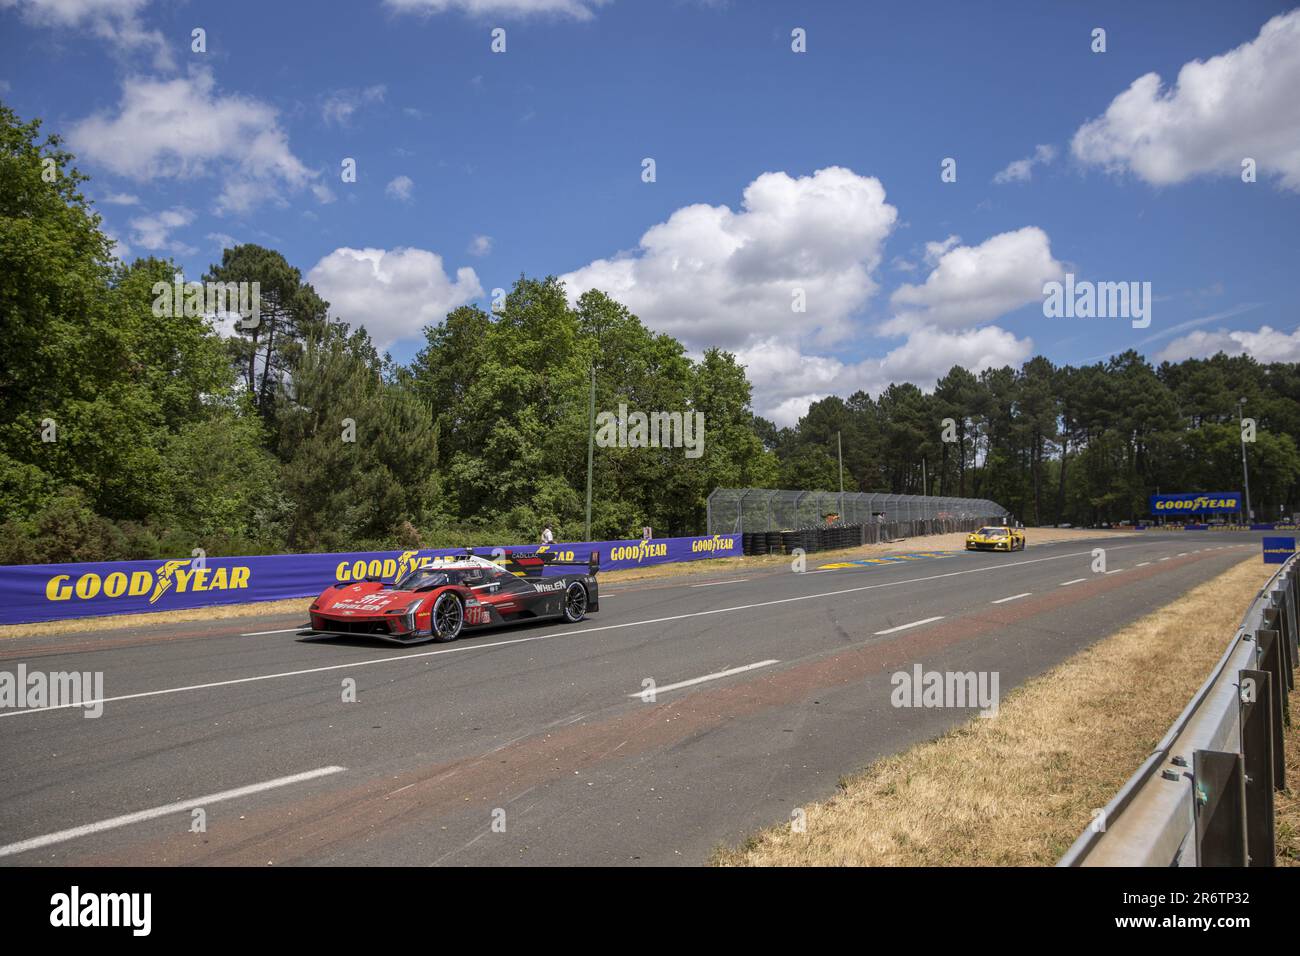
996 538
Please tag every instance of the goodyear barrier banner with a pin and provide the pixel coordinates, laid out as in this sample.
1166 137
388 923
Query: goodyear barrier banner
49 592
1194 503
1278 550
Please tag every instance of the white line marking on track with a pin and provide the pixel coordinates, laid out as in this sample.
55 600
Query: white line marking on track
1014 597
1116 571
1075 581
1143 564
904 627
1165 558
544 637
715 583
283 630
701 680
62 836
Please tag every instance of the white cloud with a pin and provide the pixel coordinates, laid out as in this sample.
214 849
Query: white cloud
1022 170
1239 104
183 128
153 232
120 248
400 188
713 276
117 21
480 245
1264 345
934 251
121 199
975 284
787 381
393 293
576 9
340 105
223 240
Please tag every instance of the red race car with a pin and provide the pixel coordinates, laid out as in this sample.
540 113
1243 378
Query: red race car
437 601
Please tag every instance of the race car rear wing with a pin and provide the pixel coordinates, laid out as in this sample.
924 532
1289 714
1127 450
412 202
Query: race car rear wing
530 564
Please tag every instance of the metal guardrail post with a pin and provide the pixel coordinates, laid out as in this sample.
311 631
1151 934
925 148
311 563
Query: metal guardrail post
1270 660
1219 782
1258 739
1279 616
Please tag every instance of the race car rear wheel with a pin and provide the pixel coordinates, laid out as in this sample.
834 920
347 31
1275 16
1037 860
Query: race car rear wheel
447 617
575 603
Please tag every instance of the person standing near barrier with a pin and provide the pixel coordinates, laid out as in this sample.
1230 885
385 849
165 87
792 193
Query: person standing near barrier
548 536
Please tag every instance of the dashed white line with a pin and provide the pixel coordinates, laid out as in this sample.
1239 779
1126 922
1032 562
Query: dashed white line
1143 564
710 584
1075 581
1014 597
62 836
283 630
904 627
700 680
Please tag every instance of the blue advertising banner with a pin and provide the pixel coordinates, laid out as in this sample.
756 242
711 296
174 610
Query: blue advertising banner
1278 550
49 592
1197 503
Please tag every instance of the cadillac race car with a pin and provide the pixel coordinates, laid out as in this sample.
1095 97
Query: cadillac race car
439 600
996 538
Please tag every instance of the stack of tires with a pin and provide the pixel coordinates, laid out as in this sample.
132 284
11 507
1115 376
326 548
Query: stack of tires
809 540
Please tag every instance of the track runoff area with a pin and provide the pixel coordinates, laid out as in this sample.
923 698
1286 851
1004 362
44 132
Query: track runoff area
687 714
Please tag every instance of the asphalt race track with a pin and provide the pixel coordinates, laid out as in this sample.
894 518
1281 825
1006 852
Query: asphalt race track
544 722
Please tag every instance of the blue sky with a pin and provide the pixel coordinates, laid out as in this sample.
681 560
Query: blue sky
775 171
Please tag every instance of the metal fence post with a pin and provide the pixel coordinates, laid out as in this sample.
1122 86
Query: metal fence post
1258 739
1270 660
1219 795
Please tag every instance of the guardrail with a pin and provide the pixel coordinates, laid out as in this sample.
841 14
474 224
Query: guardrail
1204 797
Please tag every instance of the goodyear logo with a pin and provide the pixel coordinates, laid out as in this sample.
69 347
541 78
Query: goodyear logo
559 555
168 575
387 568
1199 503
716 543
639 552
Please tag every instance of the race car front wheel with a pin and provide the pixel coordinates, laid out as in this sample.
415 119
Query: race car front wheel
575 603
447 617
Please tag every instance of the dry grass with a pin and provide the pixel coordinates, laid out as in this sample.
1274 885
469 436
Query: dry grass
653 572
1017 789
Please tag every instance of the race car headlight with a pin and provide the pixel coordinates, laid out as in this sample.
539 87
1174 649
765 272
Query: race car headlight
408 614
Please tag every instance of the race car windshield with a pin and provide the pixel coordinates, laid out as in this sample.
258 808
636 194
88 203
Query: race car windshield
421 579
990 532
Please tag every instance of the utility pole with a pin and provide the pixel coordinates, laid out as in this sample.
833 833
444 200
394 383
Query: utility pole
591 448
839 448
1245 471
